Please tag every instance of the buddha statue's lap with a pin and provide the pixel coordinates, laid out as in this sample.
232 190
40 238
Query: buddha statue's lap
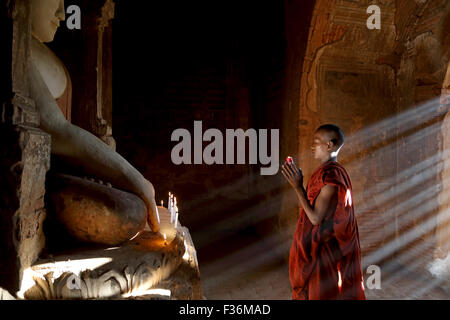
88 210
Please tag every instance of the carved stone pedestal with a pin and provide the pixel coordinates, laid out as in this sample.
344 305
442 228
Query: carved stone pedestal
144 268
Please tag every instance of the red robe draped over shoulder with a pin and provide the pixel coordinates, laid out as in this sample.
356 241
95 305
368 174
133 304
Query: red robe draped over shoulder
325 260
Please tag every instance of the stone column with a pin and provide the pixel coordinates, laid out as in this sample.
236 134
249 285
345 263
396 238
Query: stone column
92 81
24 152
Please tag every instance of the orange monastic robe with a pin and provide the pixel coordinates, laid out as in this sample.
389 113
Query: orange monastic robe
325 260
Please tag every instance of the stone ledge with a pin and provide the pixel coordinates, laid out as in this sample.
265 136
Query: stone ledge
139 269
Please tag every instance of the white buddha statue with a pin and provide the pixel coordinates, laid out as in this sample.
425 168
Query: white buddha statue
49 84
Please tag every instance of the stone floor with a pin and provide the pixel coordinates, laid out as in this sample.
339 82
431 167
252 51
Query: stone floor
259 271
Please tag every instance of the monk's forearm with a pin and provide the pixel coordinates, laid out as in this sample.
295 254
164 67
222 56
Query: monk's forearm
309 210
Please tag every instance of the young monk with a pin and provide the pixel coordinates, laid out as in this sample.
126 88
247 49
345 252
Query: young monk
325 256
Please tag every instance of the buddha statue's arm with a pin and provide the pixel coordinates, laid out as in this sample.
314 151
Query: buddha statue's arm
81 148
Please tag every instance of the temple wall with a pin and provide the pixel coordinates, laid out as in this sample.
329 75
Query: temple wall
443 220
343 83
421 72
366 81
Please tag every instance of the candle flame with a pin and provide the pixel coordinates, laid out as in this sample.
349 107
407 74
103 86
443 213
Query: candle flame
339 280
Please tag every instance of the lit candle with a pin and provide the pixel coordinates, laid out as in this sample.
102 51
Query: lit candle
169 206
174 209
157 215
176 216
162 203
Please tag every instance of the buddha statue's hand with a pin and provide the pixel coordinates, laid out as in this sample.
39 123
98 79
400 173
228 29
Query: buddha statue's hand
149 199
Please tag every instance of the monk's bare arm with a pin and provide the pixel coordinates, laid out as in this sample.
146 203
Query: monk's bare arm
81 148
325 203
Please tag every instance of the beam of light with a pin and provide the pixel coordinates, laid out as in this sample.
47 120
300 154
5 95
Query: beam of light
392 274
244 181
395 125
133 237
389 188
418 201
76 265
414 136
247 217
262 253
412 256
415 142
405 212
239 184
413 208
159 292
241 256
418 293
411 259
112 248
417 179
58 268
440 268
425 192
381 147
405 238
264 188
410 177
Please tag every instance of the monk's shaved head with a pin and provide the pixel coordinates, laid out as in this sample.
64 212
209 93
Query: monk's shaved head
334 133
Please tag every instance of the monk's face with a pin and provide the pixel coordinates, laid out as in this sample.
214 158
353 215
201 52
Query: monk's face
322 146
45 18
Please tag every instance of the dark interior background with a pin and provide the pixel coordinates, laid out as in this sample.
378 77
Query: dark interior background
231 64
221 62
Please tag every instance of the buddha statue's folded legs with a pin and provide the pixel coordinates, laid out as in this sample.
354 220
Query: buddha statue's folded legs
81 149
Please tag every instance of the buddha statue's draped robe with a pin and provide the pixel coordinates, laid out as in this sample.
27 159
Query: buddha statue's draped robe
65 100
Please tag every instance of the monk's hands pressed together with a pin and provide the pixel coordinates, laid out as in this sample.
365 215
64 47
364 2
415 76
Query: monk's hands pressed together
293 175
